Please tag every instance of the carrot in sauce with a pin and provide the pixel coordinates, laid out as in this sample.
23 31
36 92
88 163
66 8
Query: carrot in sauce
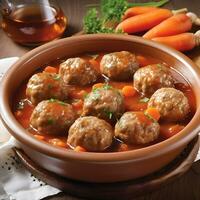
57 142
80 149
50 69
123 147
153 113
168 132
39 137
97 85
128 91
78 105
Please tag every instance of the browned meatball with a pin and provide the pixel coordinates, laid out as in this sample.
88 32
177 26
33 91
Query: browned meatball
152 77
77 71
43 86
91 133
136 128
119 65
52 117
105 102
171 103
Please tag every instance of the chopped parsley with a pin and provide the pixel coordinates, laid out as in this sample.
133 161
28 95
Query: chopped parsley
52 100
107 86
109 114
56 77
50 121
62 103
50 86
85 95
144 100
55 100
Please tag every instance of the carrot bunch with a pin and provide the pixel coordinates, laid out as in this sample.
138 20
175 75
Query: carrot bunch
162 25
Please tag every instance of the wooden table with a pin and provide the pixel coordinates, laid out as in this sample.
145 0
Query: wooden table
185 188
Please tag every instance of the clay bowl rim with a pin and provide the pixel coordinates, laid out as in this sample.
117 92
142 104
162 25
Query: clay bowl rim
153 150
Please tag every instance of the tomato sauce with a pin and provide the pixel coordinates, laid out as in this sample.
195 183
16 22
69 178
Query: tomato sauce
23 107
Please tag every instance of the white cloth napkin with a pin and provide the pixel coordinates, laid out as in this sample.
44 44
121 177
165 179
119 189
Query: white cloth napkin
16 183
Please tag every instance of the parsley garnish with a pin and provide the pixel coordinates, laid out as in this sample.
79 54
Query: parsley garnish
52 100
50 121
110 15
144 100
56 77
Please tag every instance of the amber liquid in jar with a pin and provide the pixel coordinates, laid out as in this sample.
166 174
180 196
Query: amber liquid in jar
34 24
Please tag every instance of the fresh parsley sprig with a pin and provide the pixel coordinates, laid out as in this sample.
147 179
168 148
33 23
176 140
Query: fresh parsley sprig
111 12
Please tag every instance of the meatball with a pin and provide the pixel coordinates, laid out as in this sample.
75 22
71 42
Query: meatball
136 128
91 133
105 102
77 71
52 117
119 65
43 86
152 77
171 103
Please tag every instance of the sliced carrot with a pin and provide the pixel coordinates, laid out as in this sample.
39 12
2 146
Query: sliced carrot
137 10
39 137
79 149
172 130
123 147
153 112
77 94
97 85
58 142
181 42
78 104
174 25
50 69
128 91
18 113
144 21
144 61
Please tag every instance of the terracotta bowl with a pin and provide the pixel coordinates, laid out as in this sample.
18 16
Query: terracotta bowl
97 167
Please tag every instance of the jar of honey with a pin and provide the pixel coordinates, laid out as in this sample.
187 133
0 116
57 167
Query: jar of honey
32 22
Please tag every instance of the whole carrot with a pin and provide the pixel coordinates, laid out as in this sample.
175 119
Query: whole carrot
174 25
130 12
144 21
181 42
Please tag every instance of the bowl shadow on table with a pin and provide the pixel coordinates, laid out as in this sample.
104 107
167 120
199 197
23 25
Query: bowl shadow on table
127 189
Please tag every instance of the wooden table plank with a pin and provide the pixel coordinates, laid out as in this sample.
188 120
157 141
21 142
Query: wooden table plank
185 188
